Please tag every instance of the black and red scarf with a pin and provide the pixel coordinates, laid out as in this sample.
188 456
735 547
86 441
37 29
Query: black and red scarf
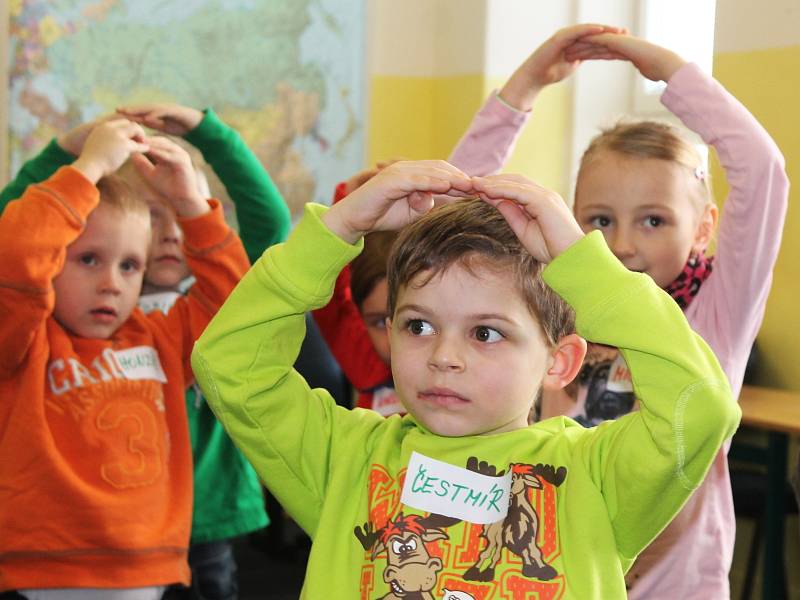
687 284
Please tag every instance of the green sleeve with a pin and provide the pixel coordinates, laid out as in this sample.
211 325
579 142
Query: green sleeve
262 214
292 435
647 463
36 170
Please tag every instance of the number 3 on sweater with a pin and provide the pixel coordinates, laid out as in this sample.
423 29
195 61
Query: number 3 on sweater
135 433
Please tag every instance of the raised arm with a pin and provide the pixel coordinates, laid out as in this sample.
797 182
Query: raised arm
61 151
340 321
244 360
495 128
647 463
729 308
35 170
262 214
36 229
213 251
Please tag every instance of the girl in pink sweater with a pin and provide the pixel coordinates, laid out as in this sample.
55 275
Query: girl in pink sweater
646 189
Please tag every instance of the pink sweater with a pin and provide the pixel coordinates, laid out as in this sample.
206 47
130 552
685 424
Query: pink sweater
692 556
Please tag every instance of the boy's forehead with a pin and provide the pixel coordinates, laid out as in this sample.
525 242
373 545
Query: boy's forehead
478 283
155 200
111 228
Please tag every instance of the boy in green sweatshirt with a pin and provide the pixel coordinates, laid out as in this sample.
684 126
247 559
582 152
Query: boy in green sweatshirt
461 498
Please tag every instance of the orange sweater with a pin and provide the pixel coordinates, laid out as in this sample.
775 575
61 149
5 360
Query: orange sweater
95 460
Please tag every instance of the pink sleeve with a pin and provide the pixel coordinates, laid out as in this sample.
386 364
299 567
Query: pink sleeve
729 308
490 139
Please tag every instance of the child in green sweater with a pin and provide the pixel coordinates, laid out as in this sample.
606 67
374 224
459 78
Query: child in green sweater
461 496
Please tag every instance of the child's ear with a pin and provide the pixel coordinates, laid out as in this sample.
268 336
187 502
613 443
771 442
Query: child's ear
566 361
705 228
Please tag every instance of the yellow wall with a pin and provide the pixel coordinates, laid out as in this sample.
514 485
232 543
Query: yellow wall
420 117
542 151
424 117
766 83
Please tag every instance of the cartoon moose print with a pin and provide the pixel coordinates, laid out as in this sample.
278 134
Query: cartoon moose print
410 571
519 529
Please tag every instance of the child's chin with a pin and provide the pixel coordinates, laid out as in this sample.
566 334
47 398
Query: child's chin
165 277
96 333
452 429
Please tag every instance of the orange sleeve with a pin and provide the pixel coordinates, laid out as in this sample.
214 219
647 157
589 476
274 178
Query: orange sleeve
218 261
35 231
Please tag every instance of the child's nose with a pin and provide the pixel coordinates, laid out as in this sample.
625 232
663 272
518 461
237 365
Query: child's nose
170 231
446 354
109 282
622 244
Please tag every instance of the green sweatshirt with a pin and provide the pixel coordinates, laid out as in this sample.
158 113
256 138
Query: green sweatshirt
582 502
227 493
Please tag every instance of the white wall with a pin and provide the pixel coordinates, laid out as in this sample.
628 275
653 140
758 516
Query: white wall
515 28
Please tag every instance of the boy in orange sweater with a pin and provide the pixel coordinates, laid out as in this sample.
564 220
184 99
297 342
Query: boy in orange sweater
96 469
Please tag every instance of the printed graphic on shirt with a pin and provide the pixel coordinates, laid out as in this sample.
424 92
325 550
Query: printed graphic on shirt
604 390
432 555
138 363
109 415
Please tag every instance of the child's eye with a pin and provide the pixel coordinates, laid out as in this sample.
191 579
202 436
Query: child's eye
488 335
377 322
600 222
88 259
129 266
653 221
420 327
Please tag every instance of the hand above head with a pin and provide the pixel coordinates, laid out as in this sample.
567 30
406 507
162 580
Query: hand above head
539 217
108 146
168 169
548 64
652 61
363 176
172 119
73 140
396 196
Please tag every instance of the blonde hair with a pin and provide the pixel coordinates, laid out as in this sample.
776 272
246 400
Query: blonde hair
208 183
660 141
117 192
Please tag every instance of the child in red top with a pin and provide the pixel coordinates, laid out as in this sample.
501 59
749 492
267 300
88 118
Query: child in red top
93 412
354 328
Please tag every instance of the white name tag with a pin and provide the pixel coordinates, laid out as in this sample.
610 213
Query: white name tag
385 402
140 362
162 301
438 487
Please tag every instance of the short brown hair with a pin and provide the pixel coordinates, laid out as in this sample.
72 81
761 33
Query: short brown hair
369 267
652 139
116 192
472 230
